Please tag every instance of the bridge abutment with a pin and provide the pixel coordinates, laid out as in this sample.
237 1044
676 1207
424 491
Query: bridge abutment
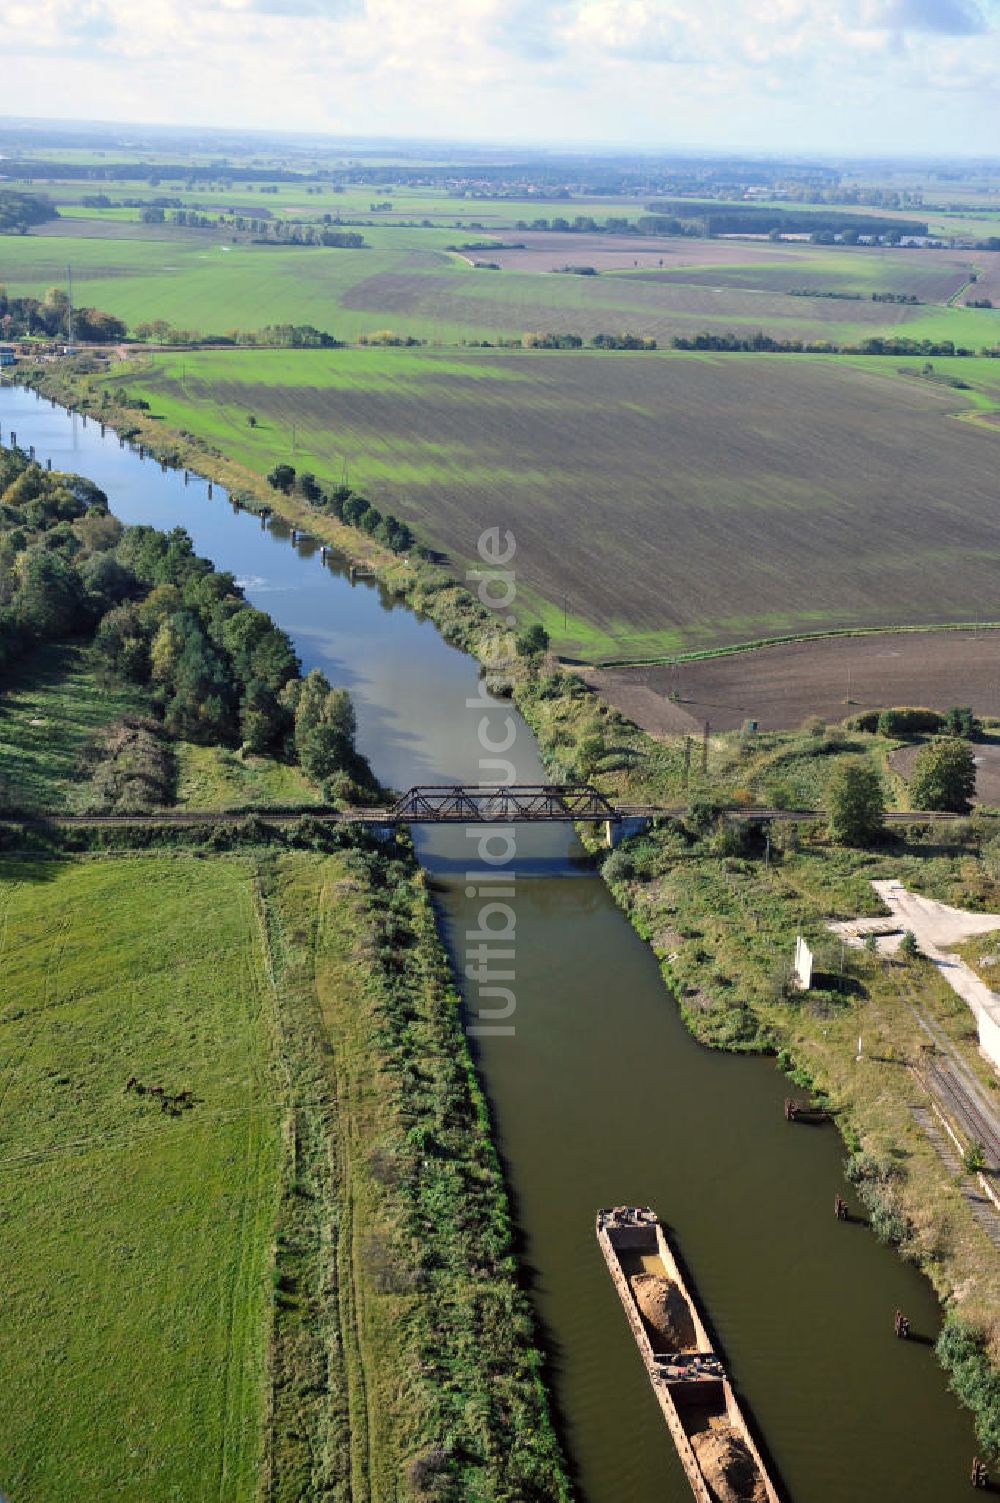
623 828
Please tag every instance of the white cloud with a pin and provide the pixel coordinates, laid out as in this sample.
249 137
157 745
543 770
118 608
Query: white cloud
792 74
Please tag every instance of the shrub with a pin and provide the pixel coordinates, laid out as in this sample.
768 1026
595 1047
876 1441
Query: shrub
281 478
618 866
961 1350
855 802
534 640
875 1180
944 776
908 945
903 720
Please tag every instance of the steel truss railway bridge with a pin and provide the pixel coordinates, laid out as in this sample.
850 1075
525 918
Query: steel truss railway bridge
463 804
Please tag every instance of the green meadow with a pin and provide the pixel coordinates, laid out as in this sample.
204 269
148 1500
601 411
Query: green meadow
407 281
135 1244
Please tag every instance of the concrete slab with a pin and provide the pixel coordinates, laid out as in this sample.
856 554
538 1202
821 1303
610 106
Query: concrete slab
935 926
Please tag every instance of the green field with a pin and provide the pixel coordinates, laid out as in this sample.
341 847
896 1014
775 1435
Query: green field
135 1245
662 501
407 281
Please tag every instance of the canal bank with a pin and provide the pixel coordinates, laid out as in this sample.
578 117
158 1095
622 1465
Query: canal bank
599 1095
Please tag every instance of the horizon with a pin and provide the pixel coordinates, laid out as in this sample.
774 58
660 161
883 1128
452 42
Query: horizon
497 146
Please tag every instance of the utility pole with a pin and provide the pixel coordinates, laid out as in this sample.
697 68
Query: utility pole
687 760
293 438
704 748
69 314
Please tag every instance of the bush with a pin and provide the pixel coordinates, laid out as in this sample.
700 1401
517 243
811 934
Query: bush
875 1181
618 866
960 721
944 776
534 640
990 857
281 478
904 720
961 1350
855 802
908 946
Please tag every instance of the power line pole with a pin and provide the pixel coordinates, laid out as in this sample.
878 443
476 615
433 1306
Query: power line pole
704 748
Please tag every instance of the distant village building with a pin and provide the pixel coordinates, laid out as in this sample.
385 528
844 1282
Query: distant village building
7 356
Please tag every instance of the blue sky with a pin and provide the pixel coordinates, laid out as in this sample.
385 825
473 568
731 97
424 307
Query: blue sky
838 76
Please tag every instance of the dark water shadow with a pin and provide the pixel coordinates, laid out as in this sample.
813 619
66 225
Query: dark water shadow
719 1349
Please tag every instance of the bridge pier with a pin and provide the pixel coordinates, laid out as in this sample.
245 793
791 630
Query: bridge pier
623 828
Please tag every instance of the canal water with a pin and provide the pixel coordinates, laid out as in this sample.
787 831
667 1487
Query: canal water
599 1095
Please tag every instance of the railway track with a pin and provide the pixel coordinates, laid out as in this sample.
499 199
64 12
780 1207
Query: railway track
965 1113
737 813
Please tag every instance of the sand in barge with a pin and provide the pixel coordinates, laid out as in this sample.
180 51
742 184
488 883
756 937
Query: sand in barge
712 1437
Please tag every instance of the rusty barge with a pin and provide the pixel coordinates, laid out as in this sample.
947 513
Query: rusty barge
713 1440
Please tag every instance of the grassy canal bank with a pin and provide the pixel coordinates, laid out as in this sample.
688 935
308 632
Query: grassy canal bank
255 1233
318 1229
721 912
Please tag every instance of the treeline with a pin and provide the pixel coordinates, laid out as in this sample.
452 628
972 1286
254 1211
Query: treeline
760 343
21 317
757 219
216 669
552 340
344 504
853 297
20 211
262 227
686 217
285 336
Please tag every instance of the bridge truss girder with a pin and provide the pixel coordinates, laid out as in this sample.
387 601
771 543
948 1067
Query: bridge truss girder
517 803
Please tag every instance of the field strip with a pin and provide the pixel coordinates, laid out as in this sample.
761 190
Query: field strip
238 1299
35 1015
760 642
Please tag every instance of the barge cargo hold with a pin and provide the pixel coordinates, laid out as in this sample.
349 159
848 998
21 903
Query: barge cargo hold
713 1440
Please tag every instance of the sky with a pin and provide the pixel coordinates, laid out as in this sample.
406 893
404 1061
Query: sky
860 77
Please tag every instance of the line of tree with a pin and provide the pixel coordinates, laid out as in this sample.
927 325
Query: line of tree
217 670
758 219
285 336
554 340
346 505
758 342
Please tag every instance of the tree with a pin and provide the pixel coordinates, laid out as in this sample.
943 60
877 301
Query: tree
282 478
855 802
534 640
263 721
251 420
944 776
49 598
325 725
309 488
